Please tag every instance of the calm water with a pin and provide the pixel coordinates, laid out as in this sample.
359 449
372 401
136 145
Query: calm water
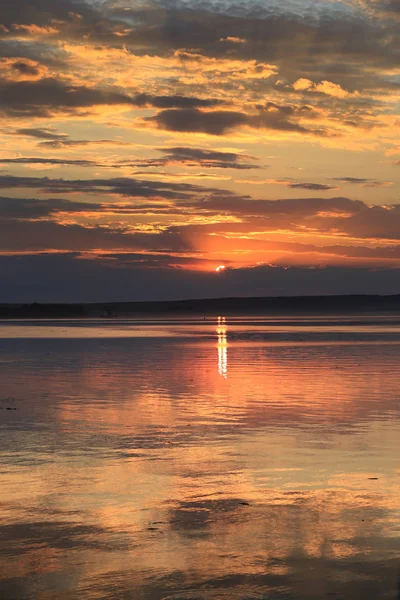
229 459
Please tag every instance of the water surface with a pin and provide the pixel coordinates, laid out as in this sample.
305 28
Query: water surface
200 459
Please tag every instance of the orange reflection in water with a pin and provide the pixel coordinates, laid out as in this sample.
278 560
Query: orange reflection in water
129 459
222 346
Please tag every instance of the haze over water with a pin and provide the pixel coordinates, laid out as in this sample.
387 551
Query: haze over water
191 459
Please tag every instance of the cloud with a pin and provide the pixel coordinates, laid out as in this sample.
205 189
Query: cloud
41 55
49 161
56 140
364 181
189 157
35 30
208 158
31 208
43 97
233 40
290 183
65 278
280 45
25 68
183 102
309 216
68 143
303 75
124 186
324 87
289 208
337 217
387 8
296 40
41 13
311 186
45 133
60 209
198 157
38 235
332 37
221 122
194 120
22 69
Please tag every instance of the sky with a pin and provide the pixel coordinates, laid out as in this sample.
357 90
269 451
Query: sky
145 143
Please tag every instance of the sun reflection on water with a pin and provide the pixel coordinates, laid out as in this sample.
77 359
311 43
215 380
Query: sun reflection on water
222 346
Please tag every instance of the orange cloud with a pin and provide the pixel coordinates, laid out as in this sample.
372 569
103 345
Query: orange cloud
324 87
36 30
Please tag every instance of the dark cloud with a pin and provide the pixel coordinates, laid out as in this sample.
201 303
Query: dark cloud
25 68
41 133
213 88
208 158
42 97
338 216
196 157
194 120
189 157
124 186
63 278
67 143
364 181
311 186
43 12
32 50
329 45
49 161
31 208
355 180
204 159
56 140
382 222
220 122
173 101
290 208
299 43
387 8
19 235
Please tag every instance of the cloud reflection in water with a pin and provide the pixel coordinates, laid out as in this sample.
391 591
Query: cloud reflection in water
126 481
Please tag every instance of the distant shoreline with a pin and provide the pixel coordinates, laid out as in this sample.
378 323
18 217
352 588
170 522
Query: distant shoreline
283 305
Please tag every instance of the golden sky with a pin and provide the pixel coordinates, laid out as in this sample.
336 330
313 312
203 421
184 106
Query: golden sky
154 140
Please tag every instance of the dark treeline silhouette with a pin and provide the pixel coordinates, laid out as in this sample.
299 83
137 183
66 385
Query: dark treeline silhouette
41 311
288 305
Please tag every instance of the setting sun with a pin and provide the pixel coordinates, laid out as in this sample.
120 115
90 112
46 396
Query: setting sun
220 268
